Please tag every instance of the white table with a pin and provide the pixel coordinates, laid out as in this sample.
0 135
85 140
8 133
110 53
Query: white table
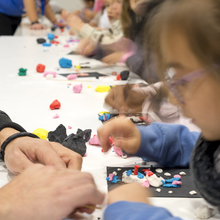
26 99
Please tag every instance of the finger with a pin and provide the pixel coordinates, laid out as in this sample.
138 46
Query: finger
17 161
47 156
72 159
109 99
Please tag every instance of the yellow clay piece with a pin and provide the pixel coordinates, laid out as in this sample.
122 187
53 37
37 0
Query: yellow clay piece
102 88
41 133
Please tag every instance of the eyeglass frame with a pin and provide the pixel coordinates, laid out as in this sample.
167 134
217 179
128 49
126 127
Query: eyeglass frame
186 78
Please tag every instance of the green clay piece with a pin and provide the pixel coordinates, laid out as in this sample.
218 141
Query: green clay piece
22 72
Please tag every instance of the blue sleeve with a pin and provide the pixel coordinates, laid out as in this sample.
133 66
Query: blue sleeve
169 145
136 211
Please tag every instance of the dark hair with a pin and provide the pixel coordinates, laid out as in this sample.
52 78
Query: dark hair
198 21
133 24
89 1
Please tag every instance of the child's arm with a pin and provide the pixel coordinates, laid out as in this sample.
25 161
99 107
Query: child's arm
50 15
130 202
32 14
167 144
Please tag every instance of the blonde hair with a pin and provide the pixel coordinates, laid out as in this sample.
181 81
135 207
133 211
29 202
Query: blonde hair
198 21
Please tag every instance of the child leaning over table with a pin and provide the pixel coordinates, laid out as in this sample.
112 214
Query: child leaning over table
187 50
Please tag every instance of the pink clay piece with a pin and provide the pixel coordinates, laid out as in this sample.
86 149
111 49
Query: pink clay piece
52 73
77 88
118 151
177 182
111 175
56 116
177 176
71 76
146 184
94 140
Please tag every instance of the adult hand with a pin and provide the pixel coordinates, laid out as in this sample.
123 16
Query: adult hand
132 192
45 192
24 151
37 26
125 134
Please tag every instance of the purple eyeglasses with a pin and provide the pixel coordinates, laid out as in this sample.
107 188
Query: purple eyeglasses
174 85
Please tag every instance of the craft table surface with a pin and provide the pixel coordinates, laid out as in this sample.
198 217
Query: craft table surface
26 100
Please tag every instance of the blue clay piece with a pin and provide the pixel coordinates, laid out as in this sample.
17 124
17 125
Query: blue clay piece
115 179
171 180
65 63
129 172
50 36
106 116
46 44
140 175
169 185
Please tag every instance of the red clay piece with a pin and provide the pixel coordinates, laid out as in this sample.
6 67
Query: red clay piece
55 105
40 68
150 173
118 77
136 169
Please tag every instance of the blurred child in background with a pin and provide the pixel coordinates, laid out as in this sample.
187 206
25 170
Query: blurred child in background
12 10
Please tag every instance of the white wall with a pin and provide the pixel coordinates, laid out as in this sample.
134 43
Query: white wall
70 5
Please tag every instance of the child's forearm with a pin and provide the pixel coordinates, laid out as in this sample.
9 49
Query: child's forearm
31 10
49 13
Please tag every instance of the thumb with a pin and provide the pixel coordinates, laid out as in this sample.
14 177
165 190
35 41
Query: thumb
128 145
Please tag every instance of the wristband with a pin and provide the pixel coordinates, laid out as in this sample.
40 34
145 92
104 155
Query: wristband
12 125
34 22
11 138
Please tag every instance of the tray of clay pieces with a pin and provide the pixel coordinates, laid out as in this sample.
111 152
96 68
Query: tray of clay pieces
186 189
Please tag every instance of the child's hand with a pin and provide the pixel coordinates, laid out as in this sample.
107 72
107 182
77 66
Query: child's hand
37 26
132 192
113 58
86 47
125 134
74 22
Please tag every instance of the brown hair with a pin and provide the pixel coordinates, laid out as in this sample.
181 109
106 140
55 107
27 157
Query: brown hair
198 21
126 18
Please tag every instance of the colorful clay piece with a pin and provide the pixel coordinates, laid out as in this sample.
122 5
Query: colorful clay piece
72 76
118 77
104 117
77 88
54 74
146 184
41 133
66 45
168 185
41 40
55 105
129 172
136 169
94 141
22 72
118 151
111 175
114 180
65 63
124 75
46 44
102 88
40 68
56 116
50 36
69 127
140 175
